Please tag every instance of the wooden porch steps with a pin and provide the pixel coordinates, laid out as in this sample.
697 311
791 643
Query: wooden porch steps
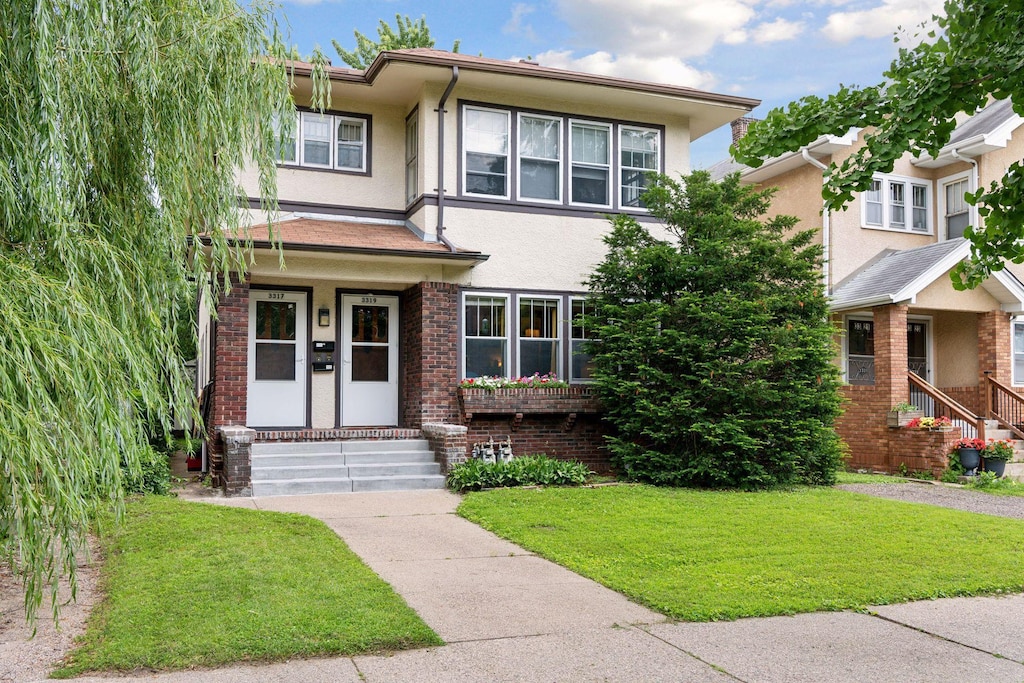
348 466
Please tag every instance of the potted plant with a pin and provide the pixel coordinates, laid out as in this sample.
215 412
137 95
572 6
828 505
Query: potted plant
902 413
969 453
995 455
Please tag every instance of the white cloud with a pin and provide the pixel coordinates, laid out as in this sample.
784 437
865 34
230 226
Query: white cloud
881 20
670 70
775 31
654 28
515 24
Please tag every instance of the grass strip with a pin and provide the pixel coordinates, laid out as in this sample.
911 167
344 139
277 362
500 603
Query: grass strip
191 584
711 555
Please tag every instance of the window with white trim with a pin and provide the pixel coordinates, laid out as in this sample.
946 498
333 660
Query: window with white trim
638 149
581 364
287 140
540 165
328 141
956 210
485 144
485 336
412 144
896 203
590 157
1018 351
539 346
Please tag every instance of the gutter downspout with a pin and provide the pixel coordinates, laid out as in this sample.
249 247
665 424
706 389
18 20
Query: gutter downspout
974 179
440 159
826 238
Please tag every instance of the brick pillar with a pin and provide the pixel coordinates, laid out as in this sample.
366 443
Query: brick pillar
449 443
994 342
891 354
236 442
430 363
230 369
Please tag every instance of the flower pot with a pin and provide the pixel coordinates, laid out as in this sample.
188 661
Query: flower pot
970 458
996 467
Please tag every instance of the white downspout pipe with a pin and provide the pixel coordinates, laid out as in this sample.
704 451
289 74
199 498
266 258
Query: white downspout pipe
974 179
826 237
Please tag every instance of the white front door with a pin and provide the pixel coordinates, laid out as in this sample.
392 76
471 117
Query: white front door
278 325
369 355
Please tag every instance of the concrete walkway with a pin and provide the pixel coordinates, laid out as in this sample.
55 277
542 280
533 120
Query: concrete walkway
508 615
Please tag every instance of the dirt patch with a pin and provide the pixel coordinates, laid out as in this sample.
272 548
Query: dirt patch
24 657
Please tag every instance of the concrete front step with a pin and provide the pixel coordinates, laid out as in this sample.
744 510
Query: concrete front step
295 468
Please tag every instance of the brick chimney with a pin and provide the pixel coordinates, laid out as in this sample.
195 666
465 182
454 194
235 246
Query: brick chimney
739 127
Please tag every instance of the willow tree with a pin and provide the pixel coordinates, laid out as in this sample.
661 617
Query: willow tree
121 129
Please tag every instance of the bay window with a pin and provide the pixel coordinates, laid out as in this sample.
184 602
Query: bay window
486 152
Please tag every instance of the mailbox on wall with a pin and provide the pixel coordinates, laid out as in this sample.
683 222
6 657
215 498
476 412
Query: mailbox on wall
323 356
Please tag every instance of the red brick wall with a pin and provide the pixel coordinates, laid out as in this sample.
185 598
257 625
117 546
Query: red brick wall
862 426
994 346
920 450
430 363
547 434
230 371
968 397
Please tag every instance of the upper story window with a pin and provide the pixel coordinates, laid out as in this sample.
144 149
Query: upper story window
556 159
638 148
954 211
486 152
328 141
412 145
895 203
591 163
540 164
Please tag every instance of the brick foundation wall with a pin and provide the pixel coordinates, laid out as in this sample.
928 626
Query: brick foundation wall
920 450
430 363
230 371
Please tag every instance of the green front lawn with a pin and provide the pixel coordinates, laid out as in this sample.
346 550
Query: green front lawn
189 584
701 555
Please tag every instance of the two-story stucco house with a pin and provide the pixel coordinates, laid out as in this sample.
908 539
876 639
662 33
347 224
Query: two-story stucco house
437 224
905 334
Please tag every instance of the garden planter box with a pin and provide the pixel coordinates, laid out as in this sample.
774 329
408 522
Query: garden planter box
901 419
538 401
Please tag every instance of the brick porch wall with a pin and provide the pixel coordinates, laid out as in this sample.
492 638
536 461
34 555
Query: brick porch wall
227 405
429 354
547 434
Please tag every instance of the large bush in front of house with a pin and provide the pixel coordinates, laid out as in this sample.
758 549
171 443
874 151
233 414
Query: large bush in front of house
714 348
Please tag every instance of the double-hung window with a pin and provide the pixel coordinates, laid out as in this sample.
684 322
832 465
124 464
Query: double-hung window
412 144
896 203
540 166
1018 351
956 210
286 138
581 363
486 152
326 141
590 152
638 149
486 338
539 350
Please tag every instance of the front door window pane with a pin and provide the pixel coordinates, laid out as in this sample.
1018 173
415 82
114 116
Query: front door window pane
275 352
370 324
275 361
370 363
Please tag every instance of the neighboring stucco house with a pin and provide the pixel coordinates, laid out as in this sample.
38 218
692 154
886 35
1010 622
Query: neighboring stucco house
888 258
437 224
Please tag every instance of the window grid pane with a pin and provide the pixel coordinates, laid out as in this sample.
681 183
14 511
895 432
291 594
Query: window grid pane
581 363
316 139
873 204
539 150
1018 353
350 144
897 208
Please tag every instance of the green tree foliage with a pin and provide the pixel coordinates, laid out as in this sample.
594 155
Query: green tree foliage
409 34
976 53
122 125
714 359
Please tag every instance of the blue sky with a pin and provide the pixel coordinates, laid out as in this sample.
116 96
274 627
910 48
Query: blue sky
772 50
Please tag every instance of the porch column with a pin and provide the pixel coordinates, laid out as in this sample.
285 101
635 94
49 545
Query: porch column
994 347
230 358
430 360
891 355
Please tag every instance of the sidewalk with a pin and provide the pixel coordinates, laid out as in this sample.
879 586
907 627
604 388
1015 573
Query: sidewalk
508 615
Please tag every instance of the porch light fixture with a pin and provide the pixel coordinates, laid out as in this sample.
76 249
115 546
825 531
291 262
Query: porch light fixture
324 317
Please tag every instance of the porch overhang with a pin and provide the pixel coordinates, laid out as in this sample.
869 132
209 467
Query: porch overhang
900 276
